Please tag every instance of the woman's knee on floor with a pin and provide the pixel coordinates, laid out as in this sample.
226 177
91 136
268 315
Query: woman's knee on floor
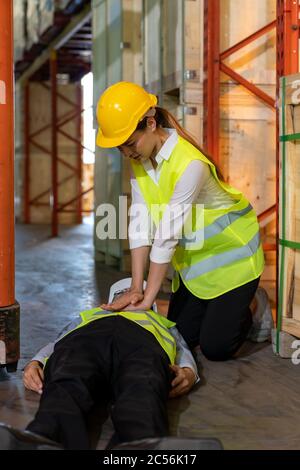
222 351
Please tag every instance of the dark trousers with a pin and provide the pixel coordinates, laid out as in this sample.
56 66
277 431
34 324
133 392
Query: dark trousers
110 360
218 325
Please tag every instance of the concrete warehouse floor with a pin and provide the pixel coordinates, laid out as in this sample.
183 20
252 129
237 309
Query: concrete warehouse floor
248 403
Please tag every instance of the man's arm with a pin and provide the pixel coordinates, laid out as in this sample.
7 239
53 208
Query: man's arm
43 353
33 376
185 368
184 357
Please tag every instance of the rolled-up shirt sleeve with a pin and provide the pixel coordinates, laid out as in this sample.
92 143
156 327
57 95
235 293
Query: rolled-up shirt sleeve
43 353
184 357
170 227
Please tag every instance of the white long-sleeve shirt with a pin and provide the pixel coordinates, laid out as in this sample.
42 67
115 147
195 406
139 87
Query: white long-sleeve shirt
196 185
184 357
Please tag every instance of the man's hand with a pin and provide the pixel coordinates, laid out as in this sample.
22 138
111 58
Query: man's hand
33 377
183 382
131 297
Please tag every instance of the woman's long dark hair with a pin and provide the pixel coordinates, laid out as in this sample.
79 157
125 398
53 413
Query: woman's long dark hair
165 119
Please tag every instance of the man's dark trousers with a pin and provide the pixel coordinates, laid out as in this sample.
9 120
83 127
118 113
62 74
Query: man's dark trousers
110 360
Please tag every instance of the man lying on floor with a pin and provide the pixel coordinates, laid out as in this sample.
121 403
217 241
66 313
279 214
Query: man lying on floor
132 360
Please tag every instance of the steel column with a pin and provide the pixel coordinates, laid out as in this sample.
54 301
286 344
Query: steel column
9 308
27 154
287 37
79 152
7 280
211 97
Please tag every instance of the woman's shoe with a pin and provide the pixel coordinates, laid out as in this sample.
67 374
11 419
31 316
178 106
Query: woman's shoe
262 325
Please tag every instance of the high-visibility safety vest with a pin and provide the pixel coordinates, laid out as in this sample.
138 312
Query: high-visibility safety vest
149 320
221 250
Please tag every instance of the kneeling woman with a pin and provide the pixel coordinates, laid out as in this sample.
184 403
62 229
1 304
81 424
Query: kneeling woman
218 261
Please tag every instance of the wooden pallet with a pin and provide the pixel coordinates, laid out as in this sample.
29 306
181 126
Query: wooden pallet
289 231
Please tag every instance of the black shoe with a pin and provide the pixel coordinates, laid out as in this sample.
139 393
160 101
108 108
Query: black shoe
16 439
171 443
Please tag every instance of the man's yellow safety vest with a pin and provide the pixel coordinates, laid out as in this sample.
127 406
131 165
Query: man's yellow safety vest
149 320
221 248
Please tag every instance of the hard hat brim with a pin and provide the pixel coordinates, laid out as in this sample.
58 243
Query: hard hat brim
106 142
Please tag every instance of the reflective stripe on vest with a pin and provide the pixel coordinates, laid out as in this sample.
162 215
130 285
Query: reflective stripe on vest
220 224
221 250
149 320
221 259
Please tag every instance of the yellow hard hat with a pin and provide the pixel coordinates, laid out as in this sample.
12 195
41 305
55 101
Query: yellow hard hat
119 111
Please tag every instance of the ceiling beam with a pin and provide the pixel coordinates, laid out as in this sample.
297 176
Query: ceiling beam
76 23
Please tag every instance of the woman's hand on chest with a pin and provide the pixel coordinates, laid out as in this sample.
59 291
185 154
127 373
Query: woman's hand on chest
131 297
